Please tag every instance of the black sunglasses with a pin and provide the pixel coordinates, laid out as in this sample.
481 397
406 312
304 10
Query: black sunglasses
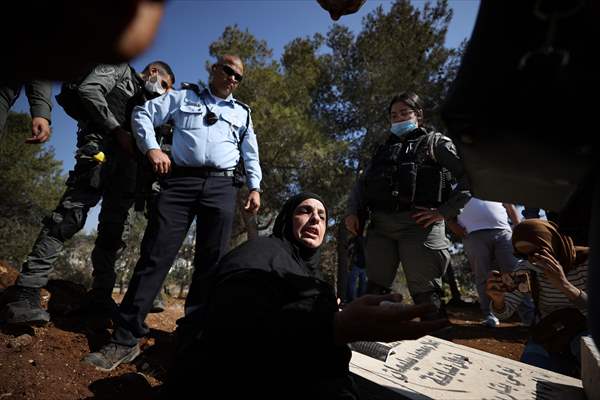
229 71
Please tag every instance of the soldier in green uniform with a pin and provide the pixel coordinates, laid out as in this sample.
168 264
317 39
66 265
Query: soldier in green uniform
406 189
105 169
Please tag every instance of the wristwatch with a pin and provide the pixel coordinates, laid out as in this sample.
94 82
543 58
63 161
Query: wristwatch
259 190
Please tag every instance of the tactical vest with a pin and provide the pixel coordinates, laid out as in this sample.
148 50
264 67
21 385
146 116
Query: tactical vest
405 174
120 103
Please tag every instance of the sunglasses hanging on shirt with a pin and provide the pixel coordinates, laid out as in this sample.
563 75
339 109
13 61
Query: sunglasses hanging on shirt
210 118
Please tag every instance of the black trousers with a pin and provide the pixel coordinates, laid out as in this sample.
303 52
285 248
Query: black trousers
212 201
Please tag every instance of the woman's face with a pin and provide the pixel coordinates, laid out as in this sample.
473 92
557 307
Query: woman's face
526 249
401 112
309 223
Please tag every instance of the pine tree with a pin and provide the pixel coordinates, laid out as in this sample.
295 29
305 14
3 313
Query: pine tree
30 185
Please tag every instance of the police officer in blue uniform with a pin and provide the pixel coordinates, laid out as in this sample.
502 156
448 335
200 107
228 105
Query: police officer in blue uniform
212 131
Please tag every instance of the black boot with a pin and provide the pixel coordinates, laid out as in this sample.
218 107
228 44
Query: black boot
26 308
110 356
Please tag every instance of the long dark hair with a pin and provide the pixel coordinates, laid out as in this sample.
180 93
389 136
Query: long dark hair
412 100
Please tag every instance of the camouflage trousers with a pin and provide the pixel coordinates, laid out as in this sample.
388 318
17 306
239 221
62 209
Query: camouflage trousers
113 181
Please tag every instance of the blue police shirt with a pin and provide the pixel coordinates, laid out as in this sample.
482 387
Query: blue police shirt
195 144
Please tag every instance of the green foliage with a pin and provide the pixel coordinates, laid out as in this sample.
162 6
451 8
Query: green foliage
183 267
130 254
254 53
319 111
295 154
395 51
74 262
30 185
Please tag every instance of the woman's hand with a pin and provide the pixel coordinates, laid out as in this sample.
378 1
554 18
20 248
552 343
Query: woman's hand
555 274
366 319
551 267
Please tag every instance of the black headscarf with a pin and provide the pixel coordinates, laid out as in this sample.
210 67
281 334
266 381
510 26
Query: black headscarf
283 230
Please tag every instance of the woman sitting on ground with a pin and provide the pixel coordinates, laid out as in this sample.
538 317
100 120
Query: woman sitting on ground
558 274
271 325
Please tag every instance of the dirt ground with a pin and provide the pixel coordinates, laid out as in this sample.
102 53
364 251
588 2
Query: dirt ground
44 363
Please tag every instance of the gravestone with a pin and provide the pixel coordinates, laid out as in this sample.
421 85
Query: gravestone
590 368
432 368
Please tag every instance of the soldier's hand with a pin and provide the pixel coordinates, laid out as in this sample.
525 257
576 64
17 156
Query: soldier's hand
125 140
253 202
427 217
161 163
352 224
366 319
40 130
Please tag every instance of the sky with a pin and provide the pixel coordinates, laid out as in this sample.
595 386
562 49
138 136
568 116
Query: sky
188 28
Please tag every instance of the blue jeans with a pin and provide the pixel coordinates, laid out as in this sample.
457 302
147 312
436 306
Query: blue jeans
568 364
357 283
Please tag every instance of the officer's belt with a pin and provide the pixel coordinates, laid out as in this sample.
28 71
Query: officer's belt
200 172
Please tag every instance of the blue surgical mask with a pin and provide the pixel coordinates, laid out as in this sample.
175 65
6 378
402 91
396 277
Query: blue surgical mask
402 128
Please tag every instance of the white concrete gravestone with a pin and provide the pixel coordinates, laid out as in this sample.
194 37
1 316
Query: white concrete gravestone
590 368
432 368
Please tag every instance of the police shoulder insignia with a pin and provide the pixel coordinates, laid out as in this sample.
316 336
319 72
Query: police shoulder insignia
245 107
104 69
191 86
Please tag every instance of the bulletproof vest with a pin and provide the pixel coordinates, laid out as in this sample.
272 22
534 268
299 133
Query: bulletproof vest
404 174
121 103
